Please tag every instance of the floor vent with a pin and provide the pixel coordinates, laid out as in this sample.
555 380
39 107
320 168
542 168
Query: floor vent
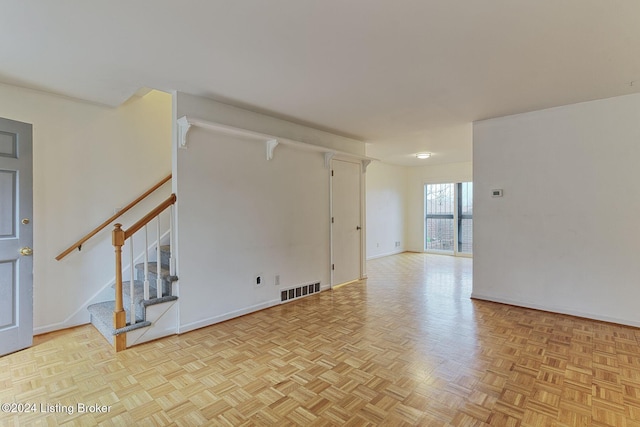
299 292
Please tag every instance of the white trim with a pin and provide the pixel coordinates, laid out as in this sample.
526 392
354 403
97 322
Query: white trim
363 218
386 254
271 145
230 315
236 313
328 158
555 309
183 129
184 124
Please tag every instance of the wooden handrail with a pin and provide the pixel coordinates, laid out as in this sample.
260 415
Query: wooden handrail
78 244
148 217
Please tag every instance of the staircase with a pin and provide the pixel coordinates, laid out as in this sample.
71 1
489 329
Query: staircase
139 312
102 312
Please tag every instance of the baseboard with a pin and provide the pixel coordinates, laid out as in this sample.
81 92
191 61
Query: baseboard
60 326
334 287
80 316
227 316
233 314
559 310
386 254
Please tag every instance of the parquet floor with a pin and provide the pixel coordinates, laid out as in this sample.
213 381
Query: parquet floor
406 347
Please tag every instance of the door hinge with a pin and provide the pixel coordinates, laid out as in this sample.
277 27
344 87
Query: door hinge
331 172
331 220
333 266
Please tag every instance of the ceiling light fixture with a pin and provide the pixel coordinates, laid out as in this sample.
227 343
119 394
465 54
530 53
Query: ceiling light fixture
423 156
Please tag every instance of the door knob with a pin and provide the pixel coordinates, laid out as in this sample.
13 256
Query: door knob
26 251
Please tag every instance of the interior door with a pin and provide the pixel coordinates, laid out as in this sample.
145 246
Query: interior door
16 236
346 230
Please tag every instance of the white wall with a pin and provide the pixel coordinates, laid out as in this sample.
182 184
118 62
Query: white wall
565 235
386 209
240 215
88 160
418 176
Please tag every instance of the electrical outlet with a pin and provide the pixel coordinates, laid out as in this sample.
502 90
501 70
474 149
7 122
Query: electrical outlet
277 280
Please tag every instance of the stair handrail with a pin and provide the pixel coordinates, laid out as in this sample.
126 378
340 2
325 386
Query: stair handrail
119 237
148 217
79 243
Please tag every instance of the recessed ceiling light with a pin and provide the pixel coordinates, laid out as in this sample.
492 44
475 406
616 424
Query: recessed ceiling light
423 155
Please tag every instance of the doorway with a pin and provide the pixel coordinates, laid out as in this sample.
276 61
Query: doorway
449 218
346 222
16 236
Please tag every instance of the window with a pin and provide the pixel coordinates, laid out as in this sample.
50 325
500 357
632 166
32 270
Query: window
449 218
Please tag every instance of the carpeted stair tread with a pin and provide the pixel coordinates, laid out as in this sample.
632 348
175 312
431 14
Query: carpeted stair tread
154 301
102 318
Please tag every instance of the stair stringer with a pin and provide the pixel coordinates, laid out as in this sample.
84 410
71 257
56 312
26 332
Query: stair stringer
164 322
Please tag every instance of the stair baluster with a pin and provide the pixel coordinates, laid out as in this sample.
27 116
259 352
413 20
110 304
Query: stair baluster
158 261
132 306
146 262
172 262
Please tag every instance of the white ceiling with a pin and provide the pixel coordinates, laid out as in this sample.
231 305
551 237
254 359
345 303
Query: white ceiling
403 75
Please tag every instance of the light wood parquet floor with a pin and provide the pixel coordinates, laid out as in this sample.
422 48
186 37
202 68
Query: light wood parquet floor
405 347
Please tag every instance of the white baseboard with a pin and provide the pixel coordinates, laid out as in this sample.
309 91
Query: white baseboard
230 315
236 313
554 309
81 315
59 326
396 252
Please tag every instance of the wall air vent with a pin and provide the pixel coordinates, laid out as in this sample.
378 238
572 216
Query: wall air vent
299 291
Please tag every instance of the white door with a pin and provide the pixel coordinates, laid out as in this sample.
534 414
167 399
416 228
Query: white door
16 236
346 227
